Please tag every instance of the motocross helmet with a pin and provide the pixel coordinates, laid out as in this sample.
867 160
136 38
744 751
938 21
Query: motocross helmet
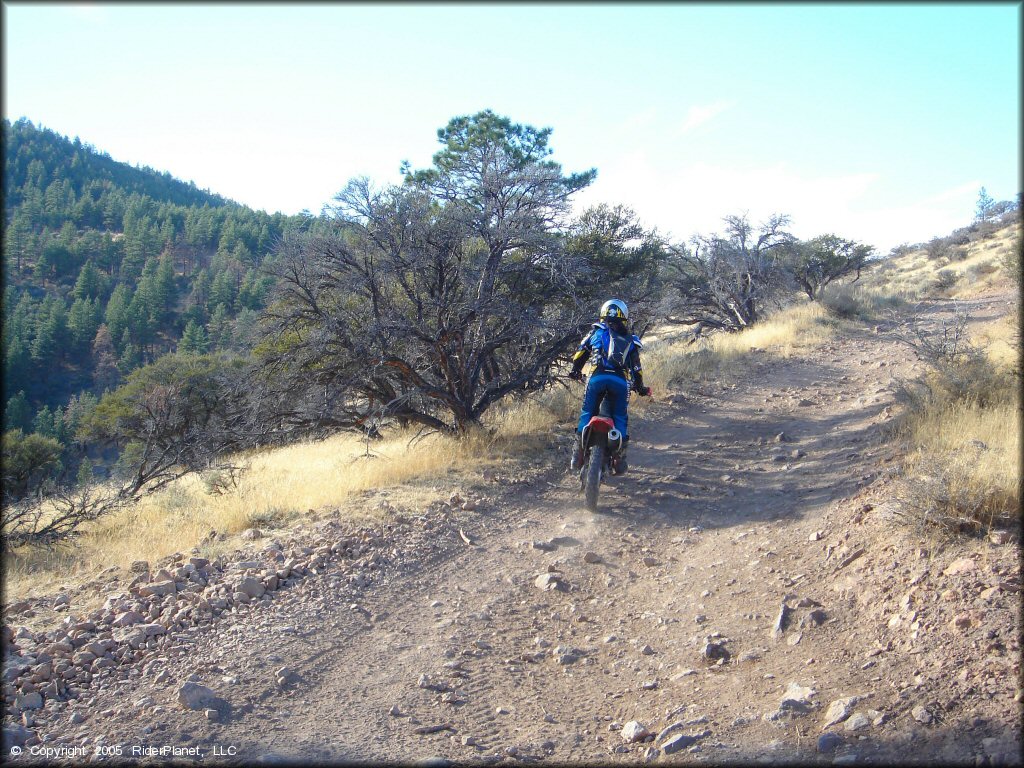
615 309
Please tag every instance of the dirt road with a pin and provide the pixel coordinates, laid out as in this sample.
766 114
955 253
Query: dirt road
556 627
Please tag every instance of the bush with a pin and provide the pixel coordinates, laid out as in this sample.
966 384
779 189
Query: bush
961 424
844 303
944 280
1011 260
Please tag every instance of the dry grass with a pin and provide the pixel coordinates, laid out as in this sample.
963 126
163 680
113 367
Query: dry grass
979 267
281 486
962 431
671 361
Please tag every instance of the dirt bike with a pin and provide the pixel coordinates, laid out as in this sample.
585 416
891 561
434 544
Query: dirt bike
601 443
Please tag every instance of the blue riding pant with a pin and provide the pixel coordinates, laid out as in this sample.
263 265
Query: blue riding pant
616 391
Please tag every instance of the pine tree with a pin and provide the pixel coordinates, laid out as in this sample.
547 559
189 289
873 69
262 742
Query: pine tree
194 341
116 315
82 324
18 413
87 286
984 212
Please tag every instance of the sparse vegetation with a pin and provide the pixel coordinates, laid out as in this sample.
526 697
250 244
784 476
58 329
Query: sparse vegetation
962 431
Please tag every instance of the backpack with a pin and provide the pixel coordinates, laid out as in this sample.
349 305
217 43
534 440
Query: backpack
614 350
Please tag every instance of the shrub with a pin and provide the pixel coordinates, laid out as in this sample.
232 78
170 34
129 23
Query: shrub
961 426
843 302
1011 260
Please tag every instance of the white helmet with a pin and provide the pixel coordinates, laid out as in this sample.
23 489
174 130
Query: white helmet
615 308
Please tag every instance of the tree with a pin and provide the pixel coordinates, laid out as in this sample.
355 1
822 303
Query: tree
89 283
28 460
17 413
726 280
431 301
984 208
816 263
194 340
105 374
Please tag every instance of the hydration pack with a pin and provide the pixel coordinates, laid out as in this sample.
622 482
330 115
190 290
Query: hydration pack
615 351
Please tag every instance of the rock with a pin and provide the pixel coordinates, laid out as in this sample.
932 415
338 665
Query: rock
429 684
922 715
782 437
32 700
677 743
285 677
592 558
251 534
252 586
816 536
961 621
817 617
633 732
797 454
139 566
543 546
158 588
195 696
963 565
1000 537
797 698
715 651
839 710
15 736
781 621
549 581
650 562
646 650
469 505
857 721
828 742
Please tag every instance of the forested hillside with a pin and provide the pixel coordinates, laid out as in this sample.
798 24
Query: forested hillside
106 267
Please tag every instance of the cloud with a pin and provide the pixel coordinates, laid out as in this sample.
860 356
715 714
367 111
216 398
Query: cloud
702 113
690 199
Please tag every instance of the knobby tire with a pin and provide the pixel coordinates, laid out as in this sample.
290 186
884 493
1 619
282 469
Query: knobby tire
593 481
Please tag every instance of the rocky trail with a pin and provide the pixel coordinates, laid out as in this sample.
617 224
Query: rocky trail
745 593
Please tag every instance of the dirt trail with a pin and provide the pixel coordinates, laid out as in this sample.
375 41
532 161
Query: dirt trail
718 524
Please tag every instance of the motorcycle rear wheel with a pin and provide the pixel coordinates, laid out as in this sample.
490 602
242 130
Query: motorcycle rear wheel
593 477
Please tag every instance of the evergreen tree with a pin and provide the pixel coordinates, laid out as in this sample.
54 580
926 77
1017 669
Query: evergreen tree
164 289
105 374
88 285
194 341
116 315
17 413
42 424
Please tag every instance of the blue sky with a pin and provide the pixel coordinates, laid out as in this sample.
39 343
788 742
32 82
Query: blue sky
878 122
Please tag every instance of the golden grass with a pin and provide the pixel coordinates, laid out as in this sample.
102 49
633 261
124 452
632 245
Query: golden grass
963 448
790 331
914 276
964 463
280 486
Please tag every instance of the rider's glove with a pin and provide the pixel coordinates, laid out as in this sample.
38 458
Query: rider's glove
576 375
643 391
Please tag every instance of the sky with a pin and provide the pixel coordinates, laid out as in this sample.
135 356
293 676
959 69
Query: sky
876 122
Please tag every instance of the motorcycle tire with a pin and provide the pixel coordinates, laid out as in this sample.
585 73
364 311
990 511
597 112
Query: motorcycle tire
593 477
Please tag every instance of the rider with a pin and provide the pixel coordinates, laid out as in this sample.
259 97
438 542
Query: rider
616 360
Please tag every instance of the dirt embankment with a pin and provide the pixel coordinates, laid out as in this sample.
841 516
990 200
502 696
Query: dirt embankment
746 592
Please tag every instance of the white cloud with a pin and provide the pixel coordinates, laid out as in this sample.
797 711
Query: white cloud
702 113
693 199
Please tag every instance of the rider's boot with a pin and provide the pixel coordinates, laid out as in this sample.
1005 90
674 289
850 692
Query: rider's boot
619 464
576 460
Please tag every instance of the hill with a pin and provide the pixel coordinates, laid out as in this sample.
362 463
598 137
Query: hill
107 267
